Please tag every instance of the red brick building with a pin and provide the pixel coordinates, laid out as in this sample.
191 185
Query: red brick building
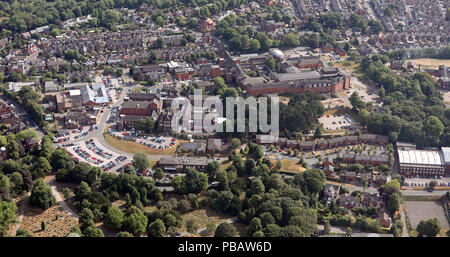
4 109
327 80
139 108
328 48
341 52
182 75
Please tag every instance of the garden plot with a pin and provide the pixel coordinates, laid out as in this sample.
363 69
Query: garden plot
33 217
202 217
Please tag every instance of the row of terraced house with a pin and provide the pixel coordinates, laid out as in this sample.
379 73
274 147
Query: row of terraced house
323 143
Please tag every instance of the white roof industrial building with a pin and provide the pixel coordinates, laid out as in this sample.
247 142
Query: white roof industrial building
421 157
446 154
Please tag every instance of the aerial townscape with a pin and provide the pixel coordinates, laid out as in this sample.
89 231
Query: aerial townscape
88 145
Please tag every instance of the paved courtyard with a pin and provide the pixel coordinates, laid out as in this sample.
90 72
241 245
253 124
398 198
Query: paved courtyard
338 122
423 210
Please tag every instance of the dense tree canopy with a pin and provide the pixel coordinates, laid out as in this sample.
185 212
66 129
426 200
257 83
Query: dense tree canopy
413 108
301 113
192 182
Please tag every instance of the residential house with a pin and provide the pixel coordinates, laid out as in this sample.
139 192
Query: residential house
349 201
329 171
179 164
350 176
330 192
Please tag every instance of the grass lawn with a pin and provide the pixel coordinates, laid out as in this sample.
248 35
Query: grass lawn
349 66
133 147
289 165
429 62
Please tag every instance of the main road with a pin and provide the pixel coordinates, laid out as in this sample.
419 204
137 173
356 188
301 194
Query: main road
408 192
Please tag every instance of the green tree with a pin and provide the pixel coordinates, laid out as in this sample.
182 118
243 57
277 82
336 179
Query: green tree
135 223
235 143
141 161
145 124
61 160
12 150
222 178
114 218
86 219
7 216
433 127
46 147
156 228
158 174
212 169
124 234
17 182
82 191
356 101
266 219
92 231
257 187
349 231
193 182
429 228
41 168
394 202
254 226
225 229
41 195
318 131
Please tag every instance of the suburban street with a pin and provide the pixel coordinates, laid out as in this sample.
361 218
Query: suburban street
17 109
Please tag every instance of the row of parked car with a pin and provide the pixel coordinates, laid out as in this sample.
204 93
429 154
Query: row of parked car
91 128
425 184
123 167
60 140
90 144
62 134
111 164
87 156
159 141
148 173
